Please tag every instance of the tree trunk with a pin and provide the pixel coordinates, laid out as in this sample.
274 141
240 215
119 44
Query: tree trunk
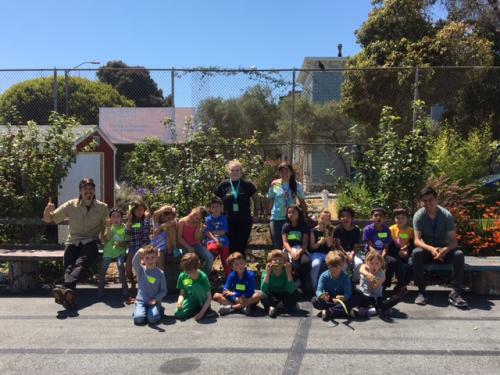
23 276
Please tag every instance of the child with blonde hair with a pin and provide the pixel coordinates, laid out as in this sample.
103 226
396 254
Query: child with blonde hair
164 232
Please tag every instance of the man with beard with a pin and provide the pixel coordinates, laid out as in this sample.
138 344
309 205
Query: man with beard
87 217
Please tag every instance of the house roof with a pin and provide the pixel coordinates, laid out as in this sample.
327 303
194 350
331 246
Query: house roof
312 63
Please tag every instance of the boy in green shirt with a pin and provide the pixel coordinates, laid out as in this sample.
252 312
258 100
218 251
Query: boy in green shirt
279 292
195 292
115 248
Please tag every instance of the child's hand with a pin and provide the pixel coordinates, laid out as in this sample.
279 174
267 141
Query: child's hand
268 267
152 302
403 254
50 207
228 293
179 305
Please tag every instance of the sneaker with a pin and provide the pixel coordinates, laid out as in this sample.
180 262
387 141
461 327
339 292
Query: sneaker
57 293
385 313
225 309
272 312
354 313
421 299
325 315
372 311
247 310
456 299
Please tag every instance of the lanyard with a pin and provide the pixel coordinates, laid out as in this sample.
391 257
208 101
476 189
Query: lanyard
235 192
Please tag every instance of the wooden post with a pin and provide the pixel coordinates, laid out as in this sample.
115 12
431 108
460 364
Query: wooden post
23 276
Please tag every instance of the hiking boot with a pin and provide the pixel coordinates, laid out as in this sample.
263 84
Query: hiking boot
57 293
226 309
421 299
326 315
456 300
272 312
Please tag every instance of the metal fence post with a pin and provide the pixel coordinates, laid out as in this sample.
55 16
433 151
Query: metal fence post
415 97
66 91
55 89
292 122
172 92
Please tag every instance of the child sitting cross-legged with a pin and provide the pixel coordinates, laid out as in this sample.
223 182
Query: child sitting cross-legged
152 286
334 289
239 292
195 291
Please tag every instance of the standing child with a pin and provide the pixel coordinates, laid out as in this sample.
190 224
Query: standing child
164 233
152 286
348 240
402 243
279 292
216 229
239 292
295 237
371 286
334 289
115 249
377 237
195 292
190 230
138 231
321 243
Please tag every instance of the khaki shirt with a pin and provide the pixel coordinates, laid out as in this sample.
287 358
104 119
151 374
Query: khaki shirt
85 225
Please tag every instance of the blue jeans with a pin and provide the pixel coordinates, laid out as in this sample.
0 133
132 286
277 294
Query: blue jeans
317 260
276 226
206 258
120 263
145 313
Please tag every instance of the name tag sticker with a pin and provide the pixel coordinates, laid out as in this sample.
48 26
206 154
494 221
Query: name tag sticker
382 235
187 282
404 236
236 207
136 226
241 287
294 236
151 279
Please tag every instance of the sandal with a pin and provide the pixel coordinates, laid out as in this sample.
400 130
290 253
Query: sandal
57 293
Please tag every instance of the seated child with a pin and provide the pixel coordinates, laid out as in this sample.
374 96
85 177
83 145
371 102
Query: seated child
347 238
115 248
164 233
402 243
321 243
370 285
152 286
195 291
279 292
190 230
295 237
216 230
239 292
377 237
334 289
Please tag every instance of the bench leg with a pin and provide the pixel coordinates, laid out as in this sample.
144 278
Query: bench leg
23 276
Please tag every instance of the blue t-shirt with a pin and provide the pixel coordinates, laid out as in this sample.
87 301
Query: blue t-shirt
334 286
215 224
379 238
242 287
282 198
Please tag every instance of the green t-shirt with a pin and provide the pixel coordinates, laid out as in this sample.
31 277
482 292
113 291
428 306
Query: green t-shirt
277 284
184 282
434 232
116 246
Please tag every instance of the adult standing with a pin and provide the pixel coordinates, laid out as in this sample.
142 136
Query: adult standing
284 192
436 241
87 218
236 194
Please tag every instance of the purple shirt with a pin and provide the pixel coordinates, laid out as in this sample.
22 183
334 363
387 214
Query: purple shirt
379 238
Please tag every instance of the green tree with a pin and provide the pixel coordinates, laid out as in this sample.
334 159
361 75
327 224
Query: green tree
400 34
33 100
135 83
186 175
254 111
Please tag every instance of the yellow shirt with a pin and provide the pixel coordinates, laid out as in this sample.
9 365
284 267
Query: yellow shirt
401 237
84 224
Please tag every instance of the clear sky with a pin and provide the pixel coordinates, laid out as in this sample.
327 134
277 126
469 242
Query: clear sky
187 33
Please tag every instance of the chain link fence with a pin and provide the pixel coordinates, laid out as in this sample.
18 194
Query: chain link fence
307 116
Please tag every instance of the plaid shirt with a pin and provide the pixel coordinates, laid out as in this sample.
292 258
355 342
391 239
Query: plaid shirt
138 234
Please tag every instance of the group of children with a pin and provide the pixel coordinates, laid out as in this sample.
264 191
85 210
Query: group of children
315 262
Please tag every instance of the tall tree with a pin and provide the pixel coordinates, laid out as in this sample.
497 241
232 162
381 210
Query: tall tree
133 82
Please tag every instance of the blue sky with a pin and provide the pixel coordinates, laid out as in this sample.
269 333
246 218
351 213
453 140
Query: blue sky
164 34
